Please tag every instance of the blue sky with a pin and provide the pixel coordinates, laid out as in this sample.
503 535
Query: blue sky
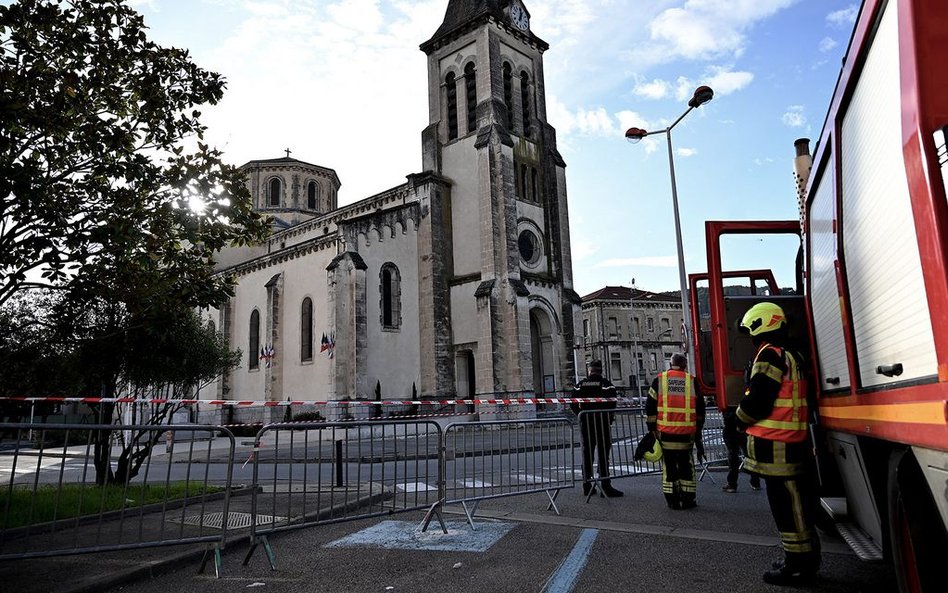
342 83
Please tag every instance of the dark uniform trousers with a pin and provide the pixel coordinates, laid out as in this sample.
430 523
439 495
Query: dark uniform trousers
791 493
595 430
678 470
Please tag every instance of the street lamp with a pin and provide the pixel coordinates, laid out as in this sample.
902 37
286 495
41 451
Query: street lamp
702 95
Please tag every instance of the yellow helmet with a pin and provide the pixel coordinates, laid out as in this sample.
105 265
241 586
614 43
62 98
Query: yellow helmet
654 454
762 318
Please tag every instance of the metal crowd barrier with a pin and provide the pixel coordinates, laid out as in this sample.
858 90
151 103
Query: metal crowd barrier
66 489
625 427
304 474
313 473
485 460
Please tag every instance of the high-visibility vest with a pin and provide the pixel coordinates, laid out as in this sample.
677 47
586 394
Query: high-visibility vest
787 421
676 403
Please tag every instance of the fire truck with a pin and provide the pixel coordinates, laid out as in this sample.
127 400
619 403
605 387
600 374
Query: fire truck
868 307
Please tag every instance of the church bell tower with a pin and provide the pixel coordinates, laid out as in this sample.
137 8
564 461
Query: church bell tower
506 243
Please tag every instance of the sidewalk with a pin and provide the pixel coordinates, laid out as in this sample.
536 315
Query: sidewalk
737 524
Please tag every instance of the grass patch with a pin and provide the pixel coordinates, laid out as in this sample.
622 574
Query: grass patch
24 506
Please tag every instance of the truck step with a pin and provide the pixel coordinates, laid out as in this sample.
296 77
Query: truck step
861 543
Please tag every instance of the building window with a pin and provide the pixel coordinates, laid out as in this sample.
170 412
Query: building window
312 195
306 330
666 323
585 328
534 185
274 191
653 361
613 327
530 248
253 342
650 324
508 95
525 101
516 169
615 368
451 90
470 93
523 182
637 326
391 293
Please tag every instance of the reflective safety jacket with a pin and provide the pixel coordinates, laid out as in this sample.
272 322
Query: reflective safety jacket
787 422
676 403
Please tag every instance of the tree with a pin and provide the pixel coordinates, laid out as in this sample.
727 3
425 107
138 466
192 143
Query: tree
100 347
100 197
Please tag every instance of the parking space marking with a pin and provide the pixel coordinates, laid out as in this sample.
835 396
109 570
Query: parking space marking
566 575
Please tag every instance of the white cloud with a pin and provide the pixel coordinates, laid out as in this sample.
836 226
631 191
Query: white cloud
656 89
582 249
827 44
794 116
845 17
655 261
720 78
323 79
686 152
705 29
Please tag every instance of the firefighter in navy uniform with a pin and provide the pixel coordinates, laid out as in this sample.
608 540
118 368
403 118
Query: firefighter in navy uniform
595 430
774 413
675 414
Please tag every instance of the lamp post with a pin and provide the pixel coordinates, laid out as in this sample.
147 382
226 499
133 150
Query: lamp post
702 95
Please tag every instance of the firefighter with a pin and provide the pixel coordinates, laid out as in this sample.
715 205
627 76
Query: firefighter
774 414
675 414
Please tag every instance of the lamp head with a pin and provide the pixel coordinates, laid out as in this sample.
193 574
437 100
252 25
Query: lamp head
635 135
702 95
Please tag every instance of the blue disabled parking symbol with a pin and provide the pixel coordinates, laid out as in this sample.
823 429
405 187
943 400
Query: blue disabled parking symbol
405 535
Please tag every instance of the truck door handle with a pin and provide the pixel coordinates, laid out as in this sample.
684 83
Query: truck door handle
832 380
889 370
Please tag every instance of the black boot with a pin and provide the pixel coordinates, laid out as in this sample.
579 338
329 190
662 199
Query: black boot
794 571
609 492
787 577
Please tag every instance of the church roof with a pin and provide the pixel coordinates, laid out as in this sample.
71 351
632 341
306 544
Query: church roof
461 13
288 161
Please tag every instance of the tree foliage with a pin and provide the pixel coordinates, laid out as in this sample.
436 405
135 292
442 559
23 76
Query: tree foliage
102 160
51 346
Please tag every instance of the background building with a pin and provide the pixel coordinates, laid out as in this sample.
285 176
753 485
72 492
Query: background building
633 332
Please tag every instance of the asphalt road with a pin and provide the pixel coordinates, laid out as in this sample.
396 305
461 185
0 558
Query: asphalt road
628 544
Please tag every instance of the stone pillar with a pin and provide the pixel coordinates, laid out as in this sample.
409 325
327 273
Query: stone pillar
273 336
347 308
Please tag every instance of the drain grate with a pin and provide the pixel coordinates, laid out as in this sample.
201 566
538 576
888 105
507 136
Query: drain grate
234 520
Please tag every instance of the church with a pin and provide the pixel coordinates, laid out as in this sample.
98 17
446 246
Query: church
457 283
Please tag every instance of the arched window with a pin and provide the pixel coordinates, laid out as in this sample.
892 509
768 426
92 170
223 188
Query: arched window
391 297
523 182
451 90
525 101
253 343
508 95
534 185
312 195
274 192
306 330
470 92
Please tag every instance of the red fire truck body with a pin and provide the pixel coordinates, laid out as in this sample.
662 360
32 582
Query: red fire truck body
871 302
